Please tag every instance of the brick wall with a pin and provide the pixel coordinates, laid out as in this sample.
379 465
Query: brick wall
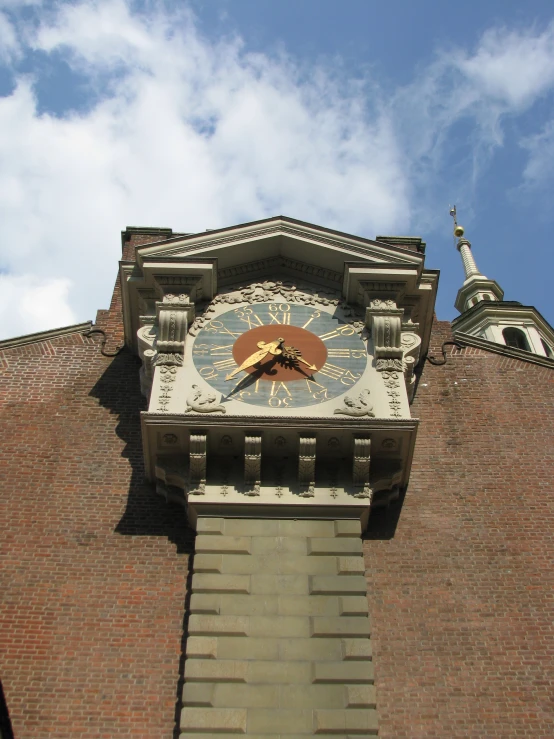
94 565
462 595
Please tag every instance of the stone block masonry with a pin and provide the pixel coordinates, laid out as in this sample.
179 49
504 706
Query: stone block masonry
278 642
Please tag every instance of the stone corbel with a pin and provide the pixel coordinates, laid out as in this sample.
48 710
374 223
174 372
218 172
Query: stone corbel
411 345
384 321
306 466
146 338
197 468
360 467
252 464
173 314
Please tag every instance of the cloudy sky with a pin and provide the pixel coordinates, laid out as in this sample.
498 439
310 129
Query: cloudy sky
364 116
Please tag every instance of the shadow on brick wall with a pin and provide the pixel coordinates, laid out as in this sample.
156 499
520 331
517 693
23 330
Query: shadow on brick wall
146 514
383 521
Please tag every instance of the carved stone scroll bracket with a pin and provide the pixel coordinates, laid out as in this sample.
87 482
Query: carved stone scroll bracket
360 467
411 345
306 466
356 406
384 320
198 458
252 464
146 336
173 316
200 401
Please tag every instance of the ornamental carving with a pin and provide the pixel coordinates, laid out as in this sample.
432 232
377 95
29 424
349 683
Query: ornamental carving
252 465
359 406
198 458
200 401
360 467
385 322
392 385
167 377
306 466
269 291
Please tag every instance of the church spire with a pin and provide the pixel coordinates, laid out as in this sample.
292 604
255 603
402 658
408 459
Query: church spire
477 286
485 314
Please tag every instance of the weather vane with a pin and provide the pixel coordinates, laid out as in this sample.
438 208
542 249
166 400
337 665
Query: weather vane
458 230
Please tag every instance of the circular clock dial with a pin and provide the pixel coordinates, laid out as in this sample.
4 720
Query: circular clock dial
279 355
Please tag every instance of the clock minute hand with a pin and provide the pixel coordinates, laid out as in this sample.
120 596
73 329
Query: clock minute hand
294 355
271 347
310 366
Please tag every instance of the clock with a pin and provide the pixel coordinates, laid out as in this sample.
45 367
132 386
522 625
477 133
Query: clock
279 355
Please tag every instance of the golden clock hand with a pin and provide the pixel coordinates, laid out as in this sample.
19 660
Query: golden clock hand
294 355
272 348
310 366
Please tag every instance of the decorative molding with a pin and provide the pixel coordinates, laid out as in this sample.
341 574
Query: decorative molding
384 320
368 291
167 377
198 460
171 359
360 467
273 291
364 247
411 346
252 464
389 365
359 406
392 383
306 466
200 401
274 263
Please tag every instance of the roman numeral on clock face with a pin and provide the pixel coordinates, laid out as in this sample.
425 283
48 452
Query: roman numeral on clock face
224 364
332 371
344 330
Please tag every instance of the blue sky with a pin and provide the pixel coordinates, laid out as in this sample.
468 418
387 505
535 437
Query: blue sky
372 118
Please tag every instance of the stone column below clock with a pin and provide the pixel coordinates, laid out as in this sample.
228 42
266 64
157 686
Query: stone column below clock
278 641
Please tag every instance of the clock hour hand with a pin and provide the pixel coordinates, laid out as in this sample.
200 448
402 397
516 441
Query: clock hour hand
271 347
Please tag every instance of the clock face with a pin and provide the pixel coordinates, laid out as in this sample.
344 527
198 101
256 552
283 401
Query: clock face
279 355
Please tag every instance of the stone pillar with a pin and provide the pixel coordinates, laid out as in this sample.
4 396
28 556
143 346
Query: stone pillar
278 642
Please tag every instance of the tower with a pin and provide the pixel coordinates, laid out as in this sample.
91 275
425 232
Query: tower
486 315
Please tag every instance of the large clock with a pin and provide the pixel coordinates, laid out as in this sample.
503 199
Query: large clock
279 355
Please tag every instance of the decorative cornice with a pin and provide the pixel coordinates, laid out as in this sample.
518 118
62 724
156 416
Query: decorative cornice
290 227
507 351
270 263
77 328
239 421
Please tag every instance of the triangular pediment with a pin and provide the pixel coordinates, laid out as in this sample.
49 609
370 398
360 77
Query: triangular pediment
200 266
281 237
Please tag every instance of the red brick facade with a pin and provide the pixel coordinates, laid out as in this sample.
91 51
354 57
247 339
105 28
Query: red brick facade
95 565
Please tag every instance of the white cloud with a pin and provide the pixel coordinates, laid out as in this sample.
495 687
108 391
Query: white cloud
196 134
540 164
9 45
29 304
513 68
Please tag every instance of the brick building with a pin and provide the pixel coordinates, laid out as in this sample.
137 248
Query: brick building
149 514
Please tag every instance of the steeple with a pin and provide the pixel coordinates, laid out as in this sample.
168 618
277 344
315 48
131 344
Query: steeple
486 315
476 286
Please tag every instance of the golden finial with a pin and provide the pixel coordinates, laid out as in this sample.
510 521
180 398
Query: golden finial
458 230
